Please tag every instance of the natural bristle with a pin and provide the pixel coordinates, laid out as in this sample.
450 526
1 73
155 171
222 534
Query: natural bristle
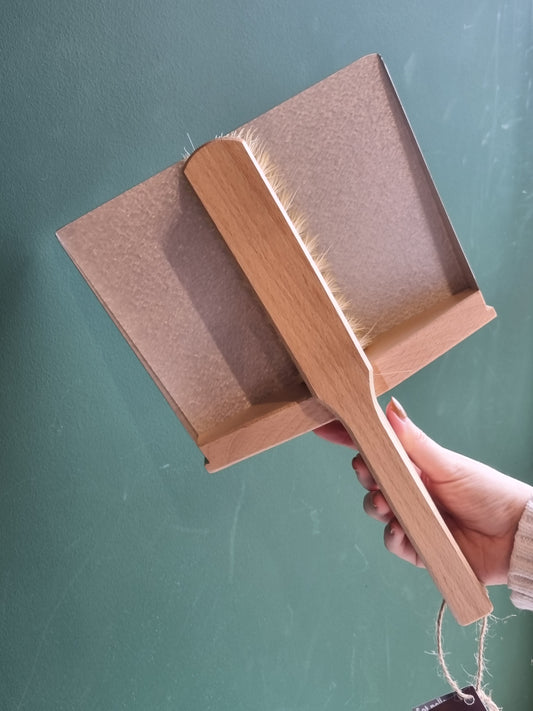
299 221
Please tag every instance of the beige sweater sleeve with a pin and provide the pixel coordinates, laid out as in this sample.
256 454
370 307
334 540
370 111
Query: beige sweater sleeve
520 580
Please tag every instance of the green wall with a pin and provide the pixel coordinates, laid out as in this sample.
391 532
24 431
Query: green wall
130 578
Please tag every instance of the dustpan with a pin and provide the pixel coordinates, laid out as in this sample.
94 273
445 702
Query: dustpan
157 264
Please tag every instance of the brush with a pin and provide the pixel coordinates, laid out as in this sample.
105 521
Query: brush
257 229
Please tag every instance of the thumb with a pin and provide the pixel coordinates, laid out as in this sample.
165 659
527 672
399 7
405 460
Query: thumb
435 461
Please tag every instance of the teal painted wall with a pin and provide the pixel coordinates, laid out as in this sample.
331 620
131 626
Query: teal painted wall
131 579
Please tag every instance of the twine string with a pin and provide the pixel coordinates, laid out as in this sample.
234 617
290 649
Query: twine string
467 699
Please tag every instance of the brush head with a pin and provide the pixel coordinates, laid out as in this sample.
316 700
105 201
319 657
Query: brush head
288 199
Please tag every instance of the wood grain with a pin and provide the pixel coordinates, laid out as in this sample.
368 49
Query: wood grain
257 230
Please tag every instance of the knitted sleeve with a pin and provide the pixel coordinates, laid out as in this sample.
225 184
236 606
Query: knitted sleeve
520 579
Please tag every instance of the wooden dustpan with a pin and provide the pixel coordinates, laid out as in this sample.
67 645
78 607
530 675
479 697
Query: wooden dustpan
157 263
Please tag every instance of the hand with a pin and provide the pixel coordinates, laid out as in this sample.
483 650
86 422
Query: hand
481 506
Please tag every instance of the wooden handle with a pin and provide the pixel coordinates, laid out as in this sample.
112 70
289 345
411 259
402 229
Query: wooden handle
412 505
252 221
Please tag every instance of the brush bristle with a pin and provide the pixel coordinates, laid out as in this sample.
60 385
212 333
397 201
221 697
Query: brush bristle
286 197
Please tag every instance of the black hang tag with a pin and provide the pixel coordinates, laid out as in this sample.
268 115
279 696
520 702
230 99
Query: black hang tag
452 702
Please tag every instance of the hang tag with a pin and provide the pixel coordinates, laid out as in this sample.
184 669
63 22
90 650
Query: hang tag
452 702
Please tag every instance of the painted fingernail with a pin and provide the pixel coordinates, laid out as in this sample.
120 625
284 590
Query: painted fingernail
398 409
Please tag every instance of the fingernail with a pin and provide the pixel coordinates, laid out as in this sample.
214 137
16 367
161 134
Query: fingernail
398 409
390 529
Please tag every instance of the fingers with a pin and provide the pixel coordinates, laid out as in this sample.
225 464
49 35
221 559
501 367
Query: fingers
394 537
365 477
435 461
335 432
363 474
396 542
375 505
425 454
